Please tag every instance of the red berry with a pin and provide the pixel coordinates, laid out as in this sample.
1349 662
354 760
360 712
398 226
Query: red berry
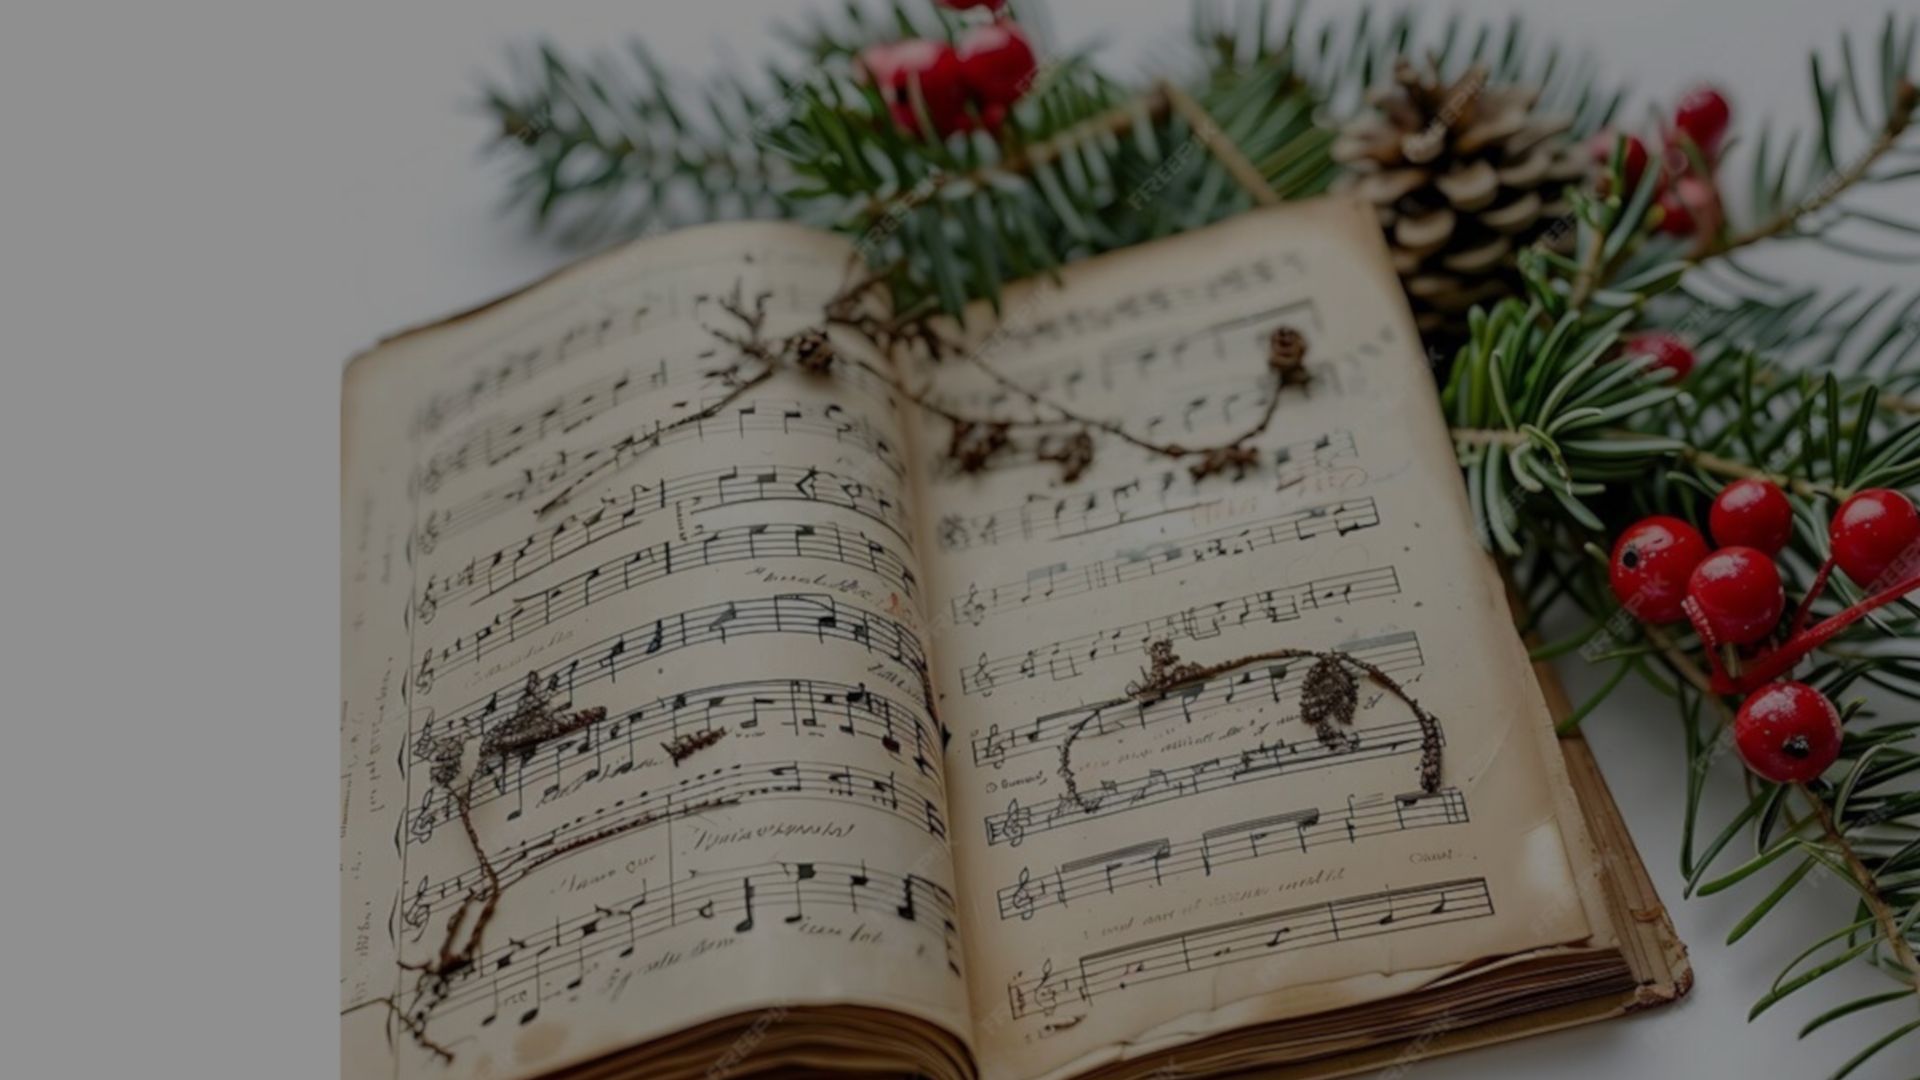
1736 592
1668 351
1633 163
1689 206
1751 513
997 63
1702 115
1787 732
1874 533
962 5
1651 564
1675 218
896 67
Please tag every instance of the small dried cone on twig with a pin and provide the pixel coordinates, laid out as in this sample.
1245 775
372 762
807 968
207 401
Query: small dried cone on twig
1464 176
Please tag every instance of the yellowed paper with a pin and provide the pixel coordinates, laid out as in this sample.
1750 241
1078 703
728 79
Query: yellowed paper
777 709
1136 874
677 672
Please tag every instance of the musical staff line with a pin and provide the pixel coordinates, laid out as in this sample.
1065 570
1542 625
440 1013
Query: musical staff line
738 899
489 442
731 785
492 441
1287 834
1267 761
1066 517
1062 580
1069 657
818 615
1152 302
521 365
1393 653
624 742
1255 937
694 493
570 468
655 562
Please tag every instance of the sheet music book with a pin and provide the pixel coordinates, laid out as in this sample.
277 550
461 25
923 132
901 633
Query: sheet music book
795 750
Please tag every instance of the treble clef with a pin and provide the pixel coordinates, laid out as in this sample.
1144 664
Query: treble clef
971 609
1013 826
417 911
427 607
1022 900
953 532
981 676
423 678
420 823
429 535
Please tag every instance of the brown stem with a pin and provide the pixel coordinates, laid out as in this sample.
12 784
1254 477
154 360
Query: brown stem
1115 121
415 1027
1587 276
1899 117
1243 171
1704 460
1728 467
1892 403
1869 889
641 446
1061 413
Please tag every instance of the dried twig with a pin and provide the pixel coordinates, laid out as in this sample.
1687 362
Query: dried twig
1329 697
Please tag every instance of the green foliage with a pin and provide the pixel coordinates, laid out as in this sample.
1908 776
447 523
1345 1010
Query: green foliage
610 147
1341 60
1564 440
1081 167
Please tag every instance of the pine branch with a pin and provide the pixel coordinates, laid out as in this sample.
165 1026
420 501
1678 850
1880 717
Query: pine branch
1564 438
1707 462
1899 119
1869 888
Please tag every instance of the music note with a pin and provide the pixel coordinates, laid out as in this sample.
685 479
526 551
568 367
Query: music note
802 872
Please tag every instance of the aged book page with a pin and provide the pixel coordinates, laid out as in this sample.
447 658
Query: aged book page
675 674
1140 873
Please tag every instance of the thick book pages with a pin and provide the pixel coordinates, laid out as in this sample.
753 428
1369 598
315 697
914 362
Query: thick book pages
697 723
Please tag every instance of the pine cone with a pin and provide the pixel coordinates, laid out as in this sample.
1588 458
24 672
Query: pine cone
1464 176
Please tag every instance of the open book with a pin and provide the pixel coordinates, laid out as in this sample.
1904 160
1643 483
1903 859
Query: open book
774 742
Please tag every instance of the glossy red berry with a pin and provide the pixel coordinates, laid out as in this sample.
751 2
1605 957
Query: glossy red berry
1876 534
1736 593
1751 513
1702 115
1668 351
1651 564
1787 732
962 5
1633 162
997 63
897 67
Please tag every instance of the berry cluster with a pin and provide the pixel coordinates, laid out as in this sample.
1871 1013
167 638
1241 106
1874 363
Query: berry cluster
1689 201
1663 571
963 85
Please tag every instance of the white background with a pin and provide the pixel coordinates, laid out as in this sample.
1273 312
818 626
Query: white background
204 208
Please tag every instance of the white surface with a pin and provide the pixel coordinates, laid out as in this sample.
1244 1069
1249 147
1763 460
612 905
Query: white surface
206 207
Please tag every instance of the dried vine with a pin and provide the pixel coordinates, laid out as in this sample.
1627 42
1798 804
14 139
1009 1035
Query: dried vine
534 723
1329 701
977 441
